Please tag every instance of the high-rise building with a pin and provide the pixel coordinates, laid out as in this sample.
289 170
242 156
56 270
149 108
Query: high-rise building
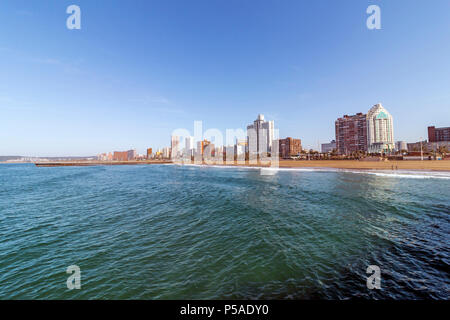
205 150
438 134
351 133
230 153
131 154
149 153
241 147
123 155
328 147
166 153
209 150
289 147
175 147
219 152
202 148
380 130
120 155
189 147
260 136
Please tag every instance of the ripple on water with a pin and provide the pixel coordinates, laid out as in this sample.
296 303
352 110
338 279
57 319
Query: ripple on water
166 232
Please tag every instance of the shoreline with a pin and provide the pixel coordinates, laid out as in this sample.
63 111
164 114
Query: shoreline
96 163
426 165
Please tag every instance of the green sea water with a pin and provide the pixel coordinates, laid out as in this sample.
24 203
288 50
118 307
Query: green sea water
191 232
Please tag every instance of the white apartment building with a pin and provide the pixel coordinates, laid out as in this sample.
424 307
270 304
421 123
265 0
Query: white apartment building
175 147
189 147
260 136
166 153
401 145
380 130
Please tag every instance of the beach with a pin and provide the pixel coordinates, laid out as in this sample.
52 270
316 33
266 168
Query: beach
426 165
433 165
429 165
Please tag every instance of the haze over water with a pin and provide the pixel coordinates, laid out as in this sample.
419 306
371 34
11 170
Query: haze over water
189 232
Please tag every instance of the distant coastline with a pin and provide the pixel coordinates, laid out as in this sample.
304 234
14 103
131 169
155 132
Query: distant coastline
98 163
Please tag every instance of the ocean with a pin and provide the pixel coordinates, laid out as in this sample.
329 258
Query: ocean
195 232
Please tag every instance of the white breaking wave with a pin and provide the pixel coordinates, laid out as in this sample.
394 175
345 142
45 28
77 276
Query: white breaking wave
411 174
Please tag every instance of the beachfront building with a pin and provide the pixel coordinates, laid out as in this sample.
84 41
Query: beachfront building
202 148
209 151
149 153
426 147
102 157
166 153
380 130
175 147
124 155
219 152
189 147
240 147
328 147
120 156
438 134
131 154
105 157
401 145
229 153
260 136
289 147
351 134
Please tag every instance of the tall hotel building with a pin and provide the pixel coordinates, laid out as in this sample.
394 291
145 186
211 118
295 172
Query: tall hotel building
380 130
166 153
175 147
189 147
438 134
351 133
290 147
373 133
260 136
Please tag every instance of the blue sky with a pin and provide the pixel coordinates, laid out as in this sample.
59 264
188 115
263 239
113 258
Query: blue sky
139 69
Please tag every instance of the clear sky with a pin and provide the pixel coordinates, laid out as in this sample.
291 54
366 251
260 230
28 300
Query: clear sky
139 69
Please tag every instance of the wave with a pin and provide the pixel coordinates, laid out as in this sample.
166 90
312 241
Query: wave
409 174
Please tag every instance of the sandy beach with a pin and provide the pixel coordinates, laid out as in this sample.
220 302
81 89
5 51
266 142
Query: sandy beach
429 165
433 165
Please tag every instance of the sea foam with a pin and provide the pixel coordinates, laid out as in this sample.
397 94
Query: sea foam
409 174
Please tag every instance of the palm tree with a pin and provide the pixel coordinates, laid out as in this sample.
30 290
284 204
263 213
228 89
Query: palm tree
334 152
442 150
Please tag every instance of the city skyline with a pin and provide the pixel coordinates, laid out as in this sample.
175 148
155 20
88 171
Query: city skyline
120 85
374 134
